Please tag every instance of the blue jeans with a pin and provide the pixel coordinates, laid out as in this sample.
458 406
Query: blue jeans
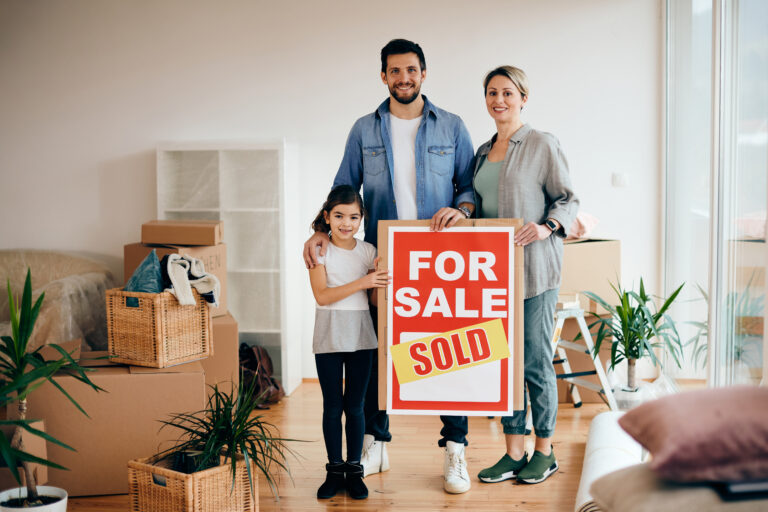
540 377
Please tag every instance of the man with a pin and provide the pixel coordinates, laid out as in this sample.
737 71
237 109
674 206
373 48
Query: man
413 161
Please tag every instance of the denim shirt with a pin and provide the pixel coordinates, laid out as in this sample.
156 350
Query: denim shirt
444 155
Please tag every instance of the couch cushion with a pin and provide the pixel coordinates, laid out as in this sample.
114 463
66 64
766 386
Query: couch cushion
707 435
639 489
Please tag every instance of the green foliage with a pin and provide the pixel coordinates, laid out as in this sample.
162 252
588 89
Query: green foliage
227 427
635 327
23 370
738 304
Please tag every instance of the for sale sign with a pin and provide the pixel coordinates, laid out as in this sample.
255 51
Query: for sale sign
451 322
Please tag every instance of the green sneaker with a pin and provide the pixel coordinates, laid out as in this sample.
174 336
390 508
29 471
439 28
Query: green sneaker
539 468
506 468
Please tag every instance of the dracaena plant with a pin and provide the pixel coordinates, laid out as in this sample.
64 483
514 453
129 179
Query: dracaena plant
635 328
22 370
228 428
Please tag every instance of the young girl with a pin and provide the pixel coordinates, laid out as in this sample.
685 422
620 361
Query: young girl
344 339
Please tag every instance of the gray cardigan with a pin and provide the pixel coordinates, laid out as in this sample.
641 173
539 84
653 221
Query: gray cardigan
534 185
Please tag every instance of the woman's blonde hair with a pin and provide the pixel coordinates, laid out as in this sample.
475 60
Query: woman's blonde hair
517 75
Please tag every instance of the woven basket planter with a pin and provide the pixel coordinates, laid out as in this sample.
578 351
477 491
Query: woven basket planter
155 488
153 329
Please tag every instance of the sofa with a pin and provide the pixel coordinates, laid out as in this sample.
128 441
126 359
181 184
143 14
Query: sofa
74 304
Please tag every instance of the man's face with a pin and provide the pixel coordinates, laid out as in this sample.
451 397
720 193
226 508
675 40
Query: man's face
404 77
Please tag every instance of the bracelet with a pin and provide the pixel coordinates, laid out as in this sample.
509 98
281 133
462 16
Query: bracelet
465 211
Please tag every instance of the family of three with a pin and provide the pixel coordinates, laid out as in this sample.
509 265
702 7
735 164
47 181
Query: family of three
414 160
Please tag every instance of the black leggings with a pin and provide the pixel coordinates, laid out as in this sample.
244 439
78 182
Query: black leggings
355 367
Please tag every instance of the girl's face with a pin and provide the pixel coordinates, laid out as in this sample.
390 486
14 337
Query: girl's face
503 99
344 220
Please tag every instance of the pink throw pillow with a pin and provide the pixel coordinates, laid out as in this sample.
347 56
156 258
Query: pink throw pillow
715 435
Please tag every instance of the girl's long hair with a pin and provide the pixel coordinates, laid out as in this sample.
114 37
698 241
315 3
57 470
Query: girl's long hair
343 194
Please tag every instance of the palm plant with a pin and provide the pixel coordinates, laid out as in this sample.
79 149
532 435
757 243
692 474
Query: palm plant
226 428
635 328
22 371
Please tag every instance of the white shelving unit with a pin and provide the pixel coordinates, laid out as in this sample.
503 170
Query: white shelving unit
244 185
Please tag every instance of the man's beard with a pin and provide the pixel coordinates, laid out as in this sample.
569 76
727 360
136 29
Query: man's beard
408 99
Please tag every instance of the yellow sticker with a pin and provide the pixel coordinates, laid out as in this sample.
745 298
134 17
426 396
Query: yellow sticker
450 351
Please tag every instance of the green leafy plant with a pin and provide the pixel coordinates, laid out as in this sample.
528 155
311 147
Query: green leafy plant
635 328
22 371
228 428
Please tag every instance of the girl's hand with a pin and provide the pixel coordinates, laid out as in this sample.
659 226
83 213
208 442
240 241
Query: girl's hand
532 232
376 279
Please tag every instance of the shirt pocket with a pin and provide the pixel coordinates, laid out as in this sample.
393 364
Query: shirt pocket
374 160
441 159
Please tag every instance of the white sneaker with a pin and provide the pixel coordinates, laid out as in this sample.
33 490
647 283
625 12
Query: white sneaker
375 458
455 469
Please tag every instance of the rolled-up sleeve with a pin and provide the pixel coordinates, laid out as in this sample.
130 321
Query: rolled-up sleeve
563 203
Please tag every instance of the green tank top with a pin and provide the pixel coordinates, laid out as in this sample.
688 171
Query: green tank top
487 186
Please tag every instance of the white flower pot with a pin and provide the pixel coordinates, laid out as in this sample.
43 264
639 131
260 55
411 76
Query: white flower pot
43 490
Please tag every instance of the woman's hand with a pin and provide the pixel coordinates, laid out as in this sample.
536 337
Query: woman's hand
532 232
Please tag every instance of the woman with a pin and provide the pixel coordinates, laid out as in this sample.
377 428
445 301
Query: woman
522 173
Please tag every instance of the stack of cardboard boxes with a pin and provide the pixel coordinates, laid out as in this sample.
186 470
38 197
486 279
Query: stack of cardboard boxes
123 421
588 265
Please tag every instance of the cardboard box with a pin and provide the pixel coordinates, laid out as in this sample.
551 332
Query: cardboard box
182 232
580 362
591 265
34 445
223 366
123 423
214 257
749 260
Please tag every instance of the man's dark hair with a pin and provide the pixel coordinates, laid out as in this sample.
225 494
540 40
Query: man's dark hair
398 47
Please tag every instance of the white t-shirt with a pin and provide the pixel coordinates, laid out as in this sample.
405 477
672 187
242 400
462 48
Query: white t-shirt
343 266
403 136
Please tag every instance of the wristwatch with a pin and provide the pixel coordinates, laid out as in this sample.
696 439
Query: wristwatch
551 224
465 211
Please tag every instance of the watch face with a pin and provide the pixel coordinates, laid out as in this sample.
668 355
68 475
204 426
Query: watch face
551 225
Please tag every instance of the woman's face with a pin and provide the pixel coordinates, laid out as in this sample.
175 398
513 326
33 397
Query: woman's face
503 99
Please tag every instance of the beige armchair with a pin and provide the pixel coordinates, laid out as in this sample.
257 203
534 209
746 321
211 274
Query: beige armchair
74 289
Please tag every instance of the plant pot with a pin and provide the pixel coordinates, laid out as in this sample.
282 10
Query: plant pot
42 490
628 398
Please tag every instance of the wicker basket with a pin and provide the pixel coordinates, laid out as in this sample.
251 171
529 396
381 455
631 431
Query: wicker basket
153 329
155 488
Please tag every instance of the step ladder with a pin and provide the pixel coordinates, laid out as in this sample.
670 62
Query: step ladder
575 379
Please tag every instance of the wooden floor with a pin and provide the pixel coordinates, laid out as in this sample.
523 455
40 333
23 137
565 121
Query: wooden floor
415 480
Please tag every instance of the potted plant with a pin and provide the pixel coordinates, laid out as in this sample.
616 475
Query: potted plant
211 465
21 371
635 328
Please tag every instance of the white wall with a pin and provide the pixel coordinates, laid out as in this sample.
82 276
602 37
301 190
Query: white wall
87 89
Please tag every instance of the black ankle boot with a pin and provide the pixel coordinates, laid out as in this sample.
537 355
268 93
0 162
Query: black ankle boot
354 477
334 481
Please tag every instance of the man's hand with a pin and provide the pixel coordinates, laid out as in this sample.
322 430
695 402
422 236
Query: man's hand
317 240
532 232
445 218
